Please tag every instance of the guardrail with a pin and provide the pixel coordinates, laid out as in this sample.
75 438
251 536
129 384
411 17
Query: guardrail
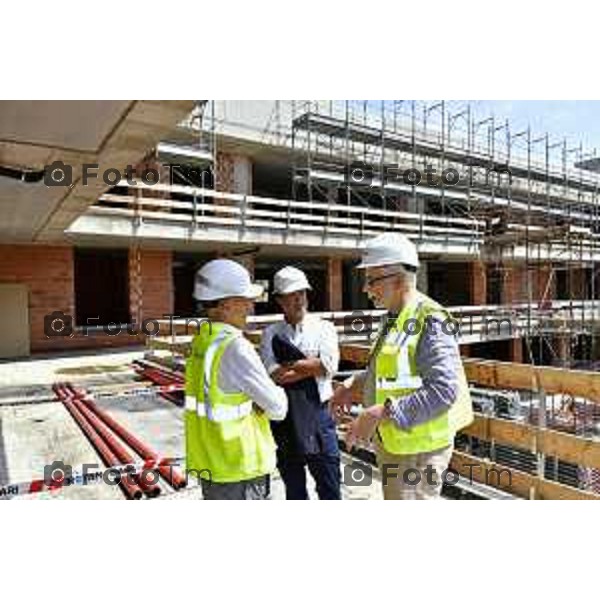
473 323
203 208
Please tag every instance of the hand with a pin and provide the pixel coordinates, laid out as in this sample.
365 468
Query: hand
341 401
285 375
364 426
290 376
309 367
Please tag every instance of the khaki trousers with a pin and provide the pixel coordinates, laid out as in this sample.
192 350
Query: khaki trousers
413 476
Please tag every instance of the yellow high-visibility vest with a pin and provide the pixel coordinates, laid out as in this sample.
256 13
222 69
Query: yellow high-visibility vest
227 440
397 376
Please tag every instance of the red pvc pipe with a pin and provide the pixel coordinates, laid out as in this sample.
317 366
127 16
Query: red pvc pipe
163 369
172 476
163 380
131 490
159 378
150 489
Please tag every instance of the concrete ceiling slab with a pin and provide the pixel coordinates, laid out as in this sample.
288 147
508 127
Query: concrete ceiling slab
72 125
33 134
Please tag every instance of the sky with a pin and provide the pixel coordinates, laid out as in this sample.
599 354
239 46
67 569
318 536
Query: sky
576 120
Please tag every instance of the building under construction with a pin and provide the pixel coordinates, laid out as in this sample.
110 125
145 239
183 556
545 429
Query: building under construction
504 220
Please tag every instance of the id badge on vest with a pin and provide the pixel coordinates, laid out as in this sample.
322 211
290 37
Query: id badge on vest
394 366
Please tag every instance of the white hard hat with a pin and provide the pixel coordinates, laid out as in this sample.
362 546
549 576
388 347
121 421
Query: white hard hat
224 278
290 279
389 249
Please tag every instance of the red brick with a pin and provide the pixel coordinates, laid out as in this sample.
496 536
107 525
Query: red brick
47 271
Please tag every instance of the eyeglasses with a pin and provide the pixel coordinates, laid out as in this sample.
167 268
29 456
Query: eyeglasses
371 281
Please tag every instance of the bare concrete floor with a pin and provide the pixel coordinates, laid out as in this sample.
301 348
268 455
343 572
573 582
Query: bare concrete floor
35 431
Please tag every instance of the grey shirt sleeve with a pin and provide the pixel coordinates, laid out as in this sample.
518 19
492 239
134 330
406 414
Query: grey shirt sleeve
438 363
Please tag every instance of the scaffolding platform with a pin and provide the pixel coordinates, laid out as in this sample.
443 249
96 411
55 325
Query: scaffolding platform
394 140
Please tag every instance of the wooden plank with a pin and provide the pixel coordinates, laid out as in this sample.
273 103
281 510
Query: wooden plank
519 435
489 473
512 433
570 448
506 375
514 481
551 380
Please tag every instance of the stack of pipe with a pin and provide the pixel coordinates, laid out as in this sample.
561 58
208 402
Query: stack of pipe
171 383
102 431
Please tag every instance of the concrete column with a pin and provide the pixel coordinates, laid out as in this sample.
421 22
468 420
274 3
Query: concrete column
224 172
234 173
334 284
242 175
422 285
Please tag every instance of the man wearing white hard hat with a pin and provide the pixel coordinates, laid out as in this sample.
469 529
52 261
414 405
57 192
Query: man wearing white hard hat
302 354
229 396
414 389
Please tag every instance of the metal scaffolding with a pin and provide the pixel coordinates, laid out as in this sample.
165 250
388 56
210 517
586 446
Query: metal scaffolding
540 212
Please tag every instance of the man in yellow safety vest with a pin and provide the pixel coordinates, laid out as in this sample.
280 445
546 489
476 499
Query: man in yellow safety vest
229 396
414 389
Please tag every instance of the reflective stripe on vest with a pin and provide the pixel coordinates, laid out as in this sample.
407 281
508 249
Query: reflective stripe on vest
209 358
405 382
218 412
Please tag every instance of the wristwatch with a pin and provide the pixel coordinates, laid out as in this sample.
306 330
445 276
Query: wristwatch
388 406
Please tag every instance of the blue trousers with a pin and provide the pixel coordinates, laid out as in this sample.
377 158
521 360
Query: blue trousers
324 466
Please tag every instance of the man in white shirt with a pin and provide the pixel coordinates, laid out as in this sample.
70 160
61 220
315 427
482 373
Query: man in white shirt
302 354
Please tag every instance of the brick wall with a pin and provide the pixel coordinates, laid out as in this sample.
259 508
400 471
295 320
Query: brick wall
156 283
478 283
47 271
515 289
577 284
544 284
334 284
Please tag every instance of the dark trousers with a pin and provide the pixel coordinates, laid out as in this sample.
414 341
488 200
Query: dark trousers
252 489
324 466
